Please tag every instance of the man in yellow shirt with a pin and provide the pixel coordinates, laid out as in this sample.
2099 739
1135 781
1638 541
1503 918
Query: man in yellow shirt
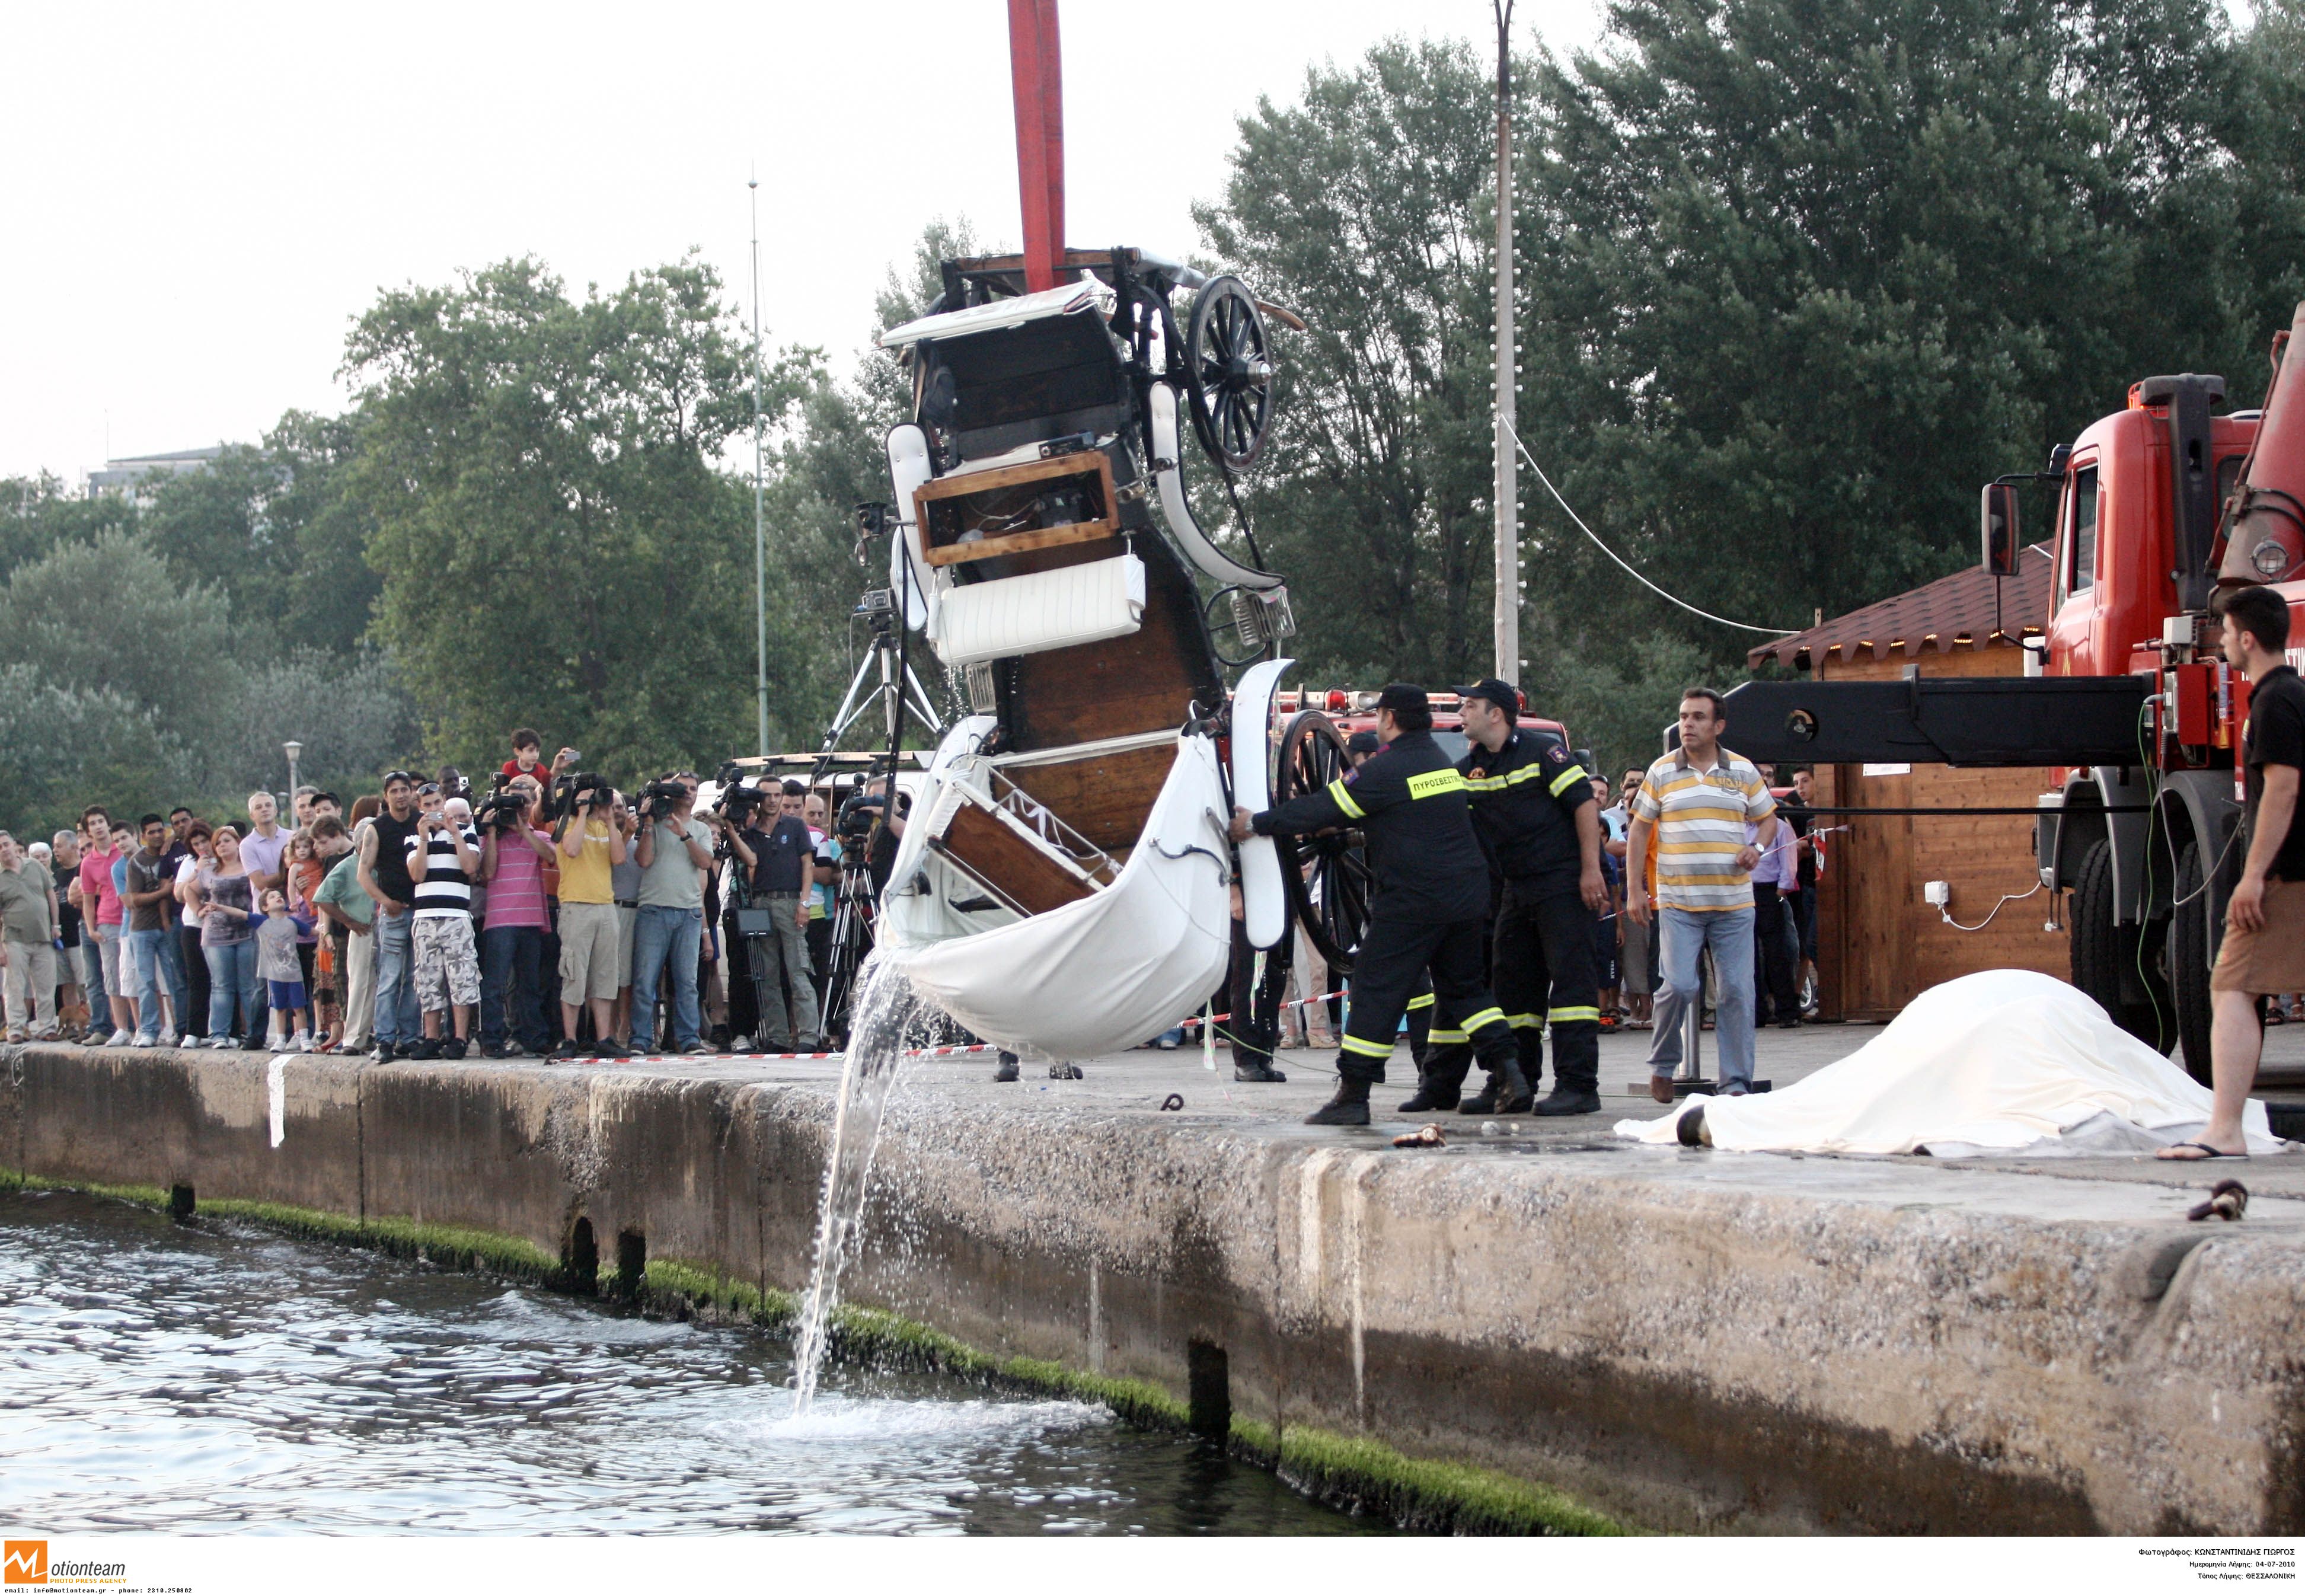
589 845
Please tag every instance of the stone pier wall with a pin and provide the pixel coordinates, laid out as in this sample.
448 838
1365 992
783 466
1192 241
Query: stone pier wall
1690 1341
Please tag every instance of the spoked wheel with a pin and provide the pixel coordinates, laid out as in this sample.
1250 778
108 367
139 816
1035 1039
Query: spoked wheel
1228 372
1326 873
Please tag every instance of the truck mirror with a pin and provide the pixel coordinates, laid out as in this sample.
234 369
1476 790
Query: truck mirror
1999 529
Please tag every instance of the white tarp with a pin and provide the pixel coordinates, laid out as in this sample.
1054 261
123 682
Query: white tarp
2001 1062
1116 968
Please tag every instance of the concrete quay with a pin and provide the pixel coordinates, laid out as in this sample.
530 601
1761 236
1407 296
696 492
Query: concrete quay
1687 1340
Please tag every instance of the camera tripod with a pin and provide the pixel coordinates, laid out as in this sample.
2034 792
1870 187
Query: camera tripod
899 690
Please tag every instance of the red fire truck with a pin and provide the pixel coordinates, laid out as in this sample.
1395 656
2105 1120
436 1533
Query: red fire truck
2157 508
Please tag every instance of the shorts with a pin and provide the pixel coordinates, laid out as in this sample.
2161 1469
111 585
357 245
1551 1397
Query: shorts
287 994
2272 958
447 965
107 953
626 919
588 954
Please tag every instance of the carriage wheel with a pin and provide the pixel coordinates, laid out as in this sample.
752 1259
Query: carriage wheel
1327 873
1228 372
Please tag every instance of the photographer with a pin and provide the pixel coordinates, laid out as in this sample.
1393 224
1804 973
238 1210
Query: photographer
383 875
675 853
443 857
589 845
513 856
777 849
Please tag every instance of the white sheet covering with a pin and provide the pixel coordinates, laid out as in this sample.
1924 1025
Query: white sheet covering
1116 968
2006 1061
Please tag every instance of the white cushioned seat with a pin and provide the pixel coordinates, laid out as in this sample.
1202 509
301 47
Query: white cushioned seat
1046 609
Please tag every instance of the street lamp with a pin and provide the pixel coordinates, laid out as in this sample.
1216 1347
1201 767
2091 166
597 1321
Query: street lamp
295 752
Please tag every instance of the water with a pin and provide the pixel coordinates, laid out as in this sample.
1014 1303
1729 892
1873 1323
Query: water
208 1378
883 1012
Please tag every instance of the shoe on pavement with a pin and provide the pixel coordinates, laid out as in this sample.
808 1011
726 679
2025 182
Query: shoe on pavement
1347 1107
1256 1073
494 1051
698 1046
567 1052
1431 1099
119 1039
453 1047
1568 1099
1007 1070
610 1048
301 1043
141 1039
1065 1072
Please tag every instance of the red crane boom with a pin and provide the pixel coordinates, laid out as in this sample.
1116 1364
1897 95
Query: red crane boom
1036 72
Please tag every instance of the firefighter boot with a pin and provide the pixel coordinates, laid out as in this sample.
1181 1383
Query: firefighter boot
1432 1097
1568 1099
1348 1107
1506 1092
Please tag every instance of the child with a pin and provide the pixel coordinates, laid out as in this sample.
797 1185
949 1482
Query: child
305 873
276 965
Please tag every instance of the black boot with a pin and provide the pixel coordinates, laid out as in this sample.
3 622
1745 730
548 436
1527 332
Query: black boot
1568 1099
1065 1072
1253 1071
1506 1092
1007 1070
1432 1097
1348 1107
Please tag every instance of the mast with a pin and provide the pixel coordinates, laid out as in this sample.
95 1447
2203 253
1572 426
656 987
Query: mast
1036 73
1508 352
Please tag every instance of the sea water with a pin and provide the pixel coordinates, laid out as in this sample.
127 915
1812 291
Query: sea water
212 1378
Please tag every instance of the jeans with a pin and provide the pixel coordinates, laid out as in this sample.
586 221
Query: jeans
148 951
662 934
92 961
1682 935
512 977
232 978
397 1021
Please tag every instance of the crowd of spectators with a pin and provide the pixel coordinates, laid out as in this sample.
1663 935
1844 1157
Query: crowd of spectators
555 916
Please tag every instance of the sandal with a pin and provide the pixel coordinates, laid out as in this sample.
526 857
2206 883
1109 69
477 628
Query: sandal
2203 1147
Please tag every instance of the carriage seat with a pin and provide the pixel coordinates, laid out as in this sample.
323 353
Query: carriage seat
1043 610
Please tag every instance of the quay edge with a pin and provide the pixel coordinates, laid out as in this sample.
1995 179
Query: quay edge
1687 1341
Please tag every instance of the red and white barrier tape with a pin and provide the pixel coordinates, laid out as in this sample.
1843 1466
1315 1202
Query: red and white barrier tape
909 1053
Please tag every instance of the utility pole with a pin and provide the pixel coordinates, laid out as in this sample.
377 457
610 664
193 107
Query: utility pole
1508 483
759 524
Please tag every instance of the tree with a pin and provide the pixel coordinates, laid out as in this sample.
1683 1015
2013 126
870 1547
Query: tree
1362 207
62 749
555 544
109 618
1804 273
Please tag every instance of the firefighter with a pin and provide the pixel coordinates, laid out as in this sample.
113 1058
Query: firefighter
1535 814
1431 908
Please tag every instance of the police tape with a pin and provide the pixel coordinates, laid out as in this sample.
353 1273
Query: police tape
909 1053
1193 1022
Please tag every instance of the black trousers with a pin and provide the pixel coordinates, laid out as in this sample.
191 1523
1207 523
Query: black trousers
1547 977
1255 1005
1776 958
1391 966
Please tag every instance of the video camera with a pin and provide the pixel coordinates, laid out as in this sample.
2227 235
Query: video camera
660 798
503 809
581 790
737 800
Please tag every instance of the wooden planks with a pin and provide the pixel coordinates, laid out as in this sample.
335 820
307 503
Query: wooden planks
995 853
941 531
1105 797
1879 945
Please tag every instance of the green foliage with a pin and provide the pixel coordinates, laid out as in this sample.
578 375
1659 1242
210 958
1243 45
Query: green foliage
108 616
555 544
62 749
1362 208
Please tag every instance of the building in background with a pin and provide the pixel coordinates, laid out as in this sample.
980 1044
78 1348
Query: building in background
1879 943
129 474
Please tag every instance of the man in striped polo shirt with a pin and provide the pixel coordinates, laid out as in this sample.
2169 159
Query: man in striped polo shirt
1698 802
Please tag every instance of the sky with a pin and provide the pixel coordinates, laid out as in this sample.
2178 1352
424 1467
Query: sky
202 199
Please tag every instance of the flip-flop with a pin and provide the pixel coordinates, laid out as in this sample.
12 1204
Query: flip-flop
2206 1152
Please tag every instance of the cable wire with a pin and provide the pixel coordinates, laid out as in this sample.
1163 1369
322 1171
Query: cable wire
1629 570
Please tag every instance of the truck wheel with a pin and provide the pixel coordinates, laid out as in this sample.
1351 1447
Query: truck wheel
2106 957
2188 964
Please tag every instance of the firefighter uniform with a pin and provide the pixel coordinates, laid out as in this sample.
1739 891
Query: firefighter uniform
1525 799
1431 907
